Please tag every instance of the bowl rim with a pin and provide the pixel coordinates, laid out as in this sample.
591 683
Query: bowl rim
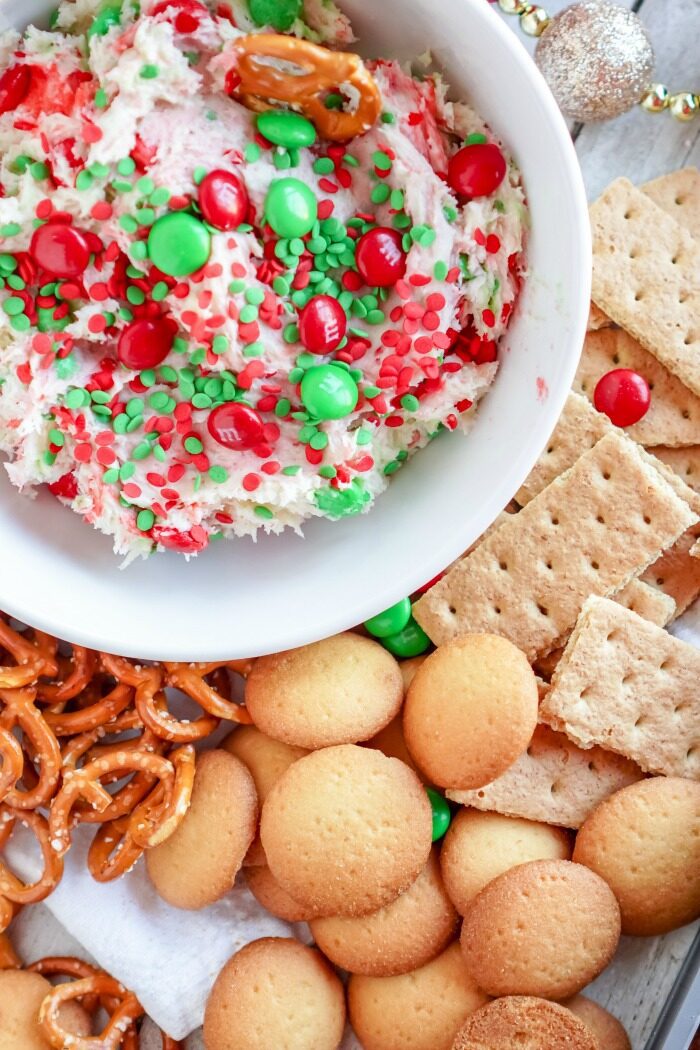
451 543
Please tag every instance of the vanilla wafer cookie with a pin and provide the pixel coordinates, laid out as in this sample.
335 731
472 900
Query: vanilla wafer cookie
554 781
673 417
678 193
580 427
646 277
685 462
596 527
631 687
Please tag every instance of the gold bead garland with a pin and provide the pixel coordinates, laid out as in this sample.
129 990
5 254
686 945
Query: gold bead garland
682 105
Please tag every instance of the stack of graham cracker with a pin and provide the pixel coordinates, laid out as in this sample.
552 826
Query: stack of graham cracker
599 552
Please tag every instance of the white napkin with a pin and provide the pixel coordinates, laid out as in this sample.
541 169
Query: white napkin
170 958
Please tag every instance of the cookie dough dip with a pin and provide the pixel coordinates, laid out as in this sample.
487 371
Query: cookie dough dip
243 277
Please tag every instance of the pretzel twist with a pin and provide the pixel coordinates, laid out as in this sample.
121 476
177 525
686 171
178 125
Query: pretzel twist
80 671
12 889
68 966
12 762
159 815
9 960
274 68
100 713
85 784
112 852
20 710
192 680
127 1010
152 708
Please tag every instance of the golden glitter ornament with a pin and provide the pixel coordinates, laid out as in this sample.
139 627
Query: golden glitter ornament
596 58
684 106
655 99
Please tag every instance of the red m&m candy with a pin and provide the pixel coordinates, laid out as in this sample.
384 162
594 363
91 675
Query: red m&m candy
322 324
146 343
476 170
379 256
14 87
236 426
623 395
185 14
223 199
59 249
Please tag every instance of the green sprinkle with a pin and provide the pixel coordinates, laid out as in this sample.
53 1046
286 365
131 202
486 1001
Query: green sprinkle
149 71
380 193
388 118
363 436
135 295
375 317
218 474
8 264
323 166
56 437
121 187
21 163
255 296
111 476
83 180
100 98
145 216
13 306
290 333
474 138
391 467
198 355
65 367
319 441
126 471
133 271
202 401
159 291
264 512
381 161
126 166
49 458
409 402
371 391
248 314
281 285
449 212
145 520
327 472
401 221
142 451
120 423
134 406
77 397
440 270
159 453
213 387
160 195
252 152
281 159
199 174
193 445
128 223
100 171
282 407
219 344
167 374
135 424
159 400
102 410
237 285
291 471
295 375
352 162
499 206
397 200
15 282
10 229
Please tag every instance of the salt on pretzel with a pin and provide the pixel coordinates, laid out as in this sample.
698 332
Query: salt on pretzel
69 966
32 658
12 762
79 671
112 852
99 713
19 710
275 69
191 679
12 889
127 1009
84 783
158 816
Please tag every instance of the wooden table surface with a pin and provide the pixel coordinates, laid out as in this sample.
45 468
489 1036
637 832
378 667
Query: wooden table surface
642 146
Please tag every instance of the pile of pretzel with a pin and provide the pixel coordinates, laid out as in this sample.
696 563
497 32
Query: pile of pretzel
71 726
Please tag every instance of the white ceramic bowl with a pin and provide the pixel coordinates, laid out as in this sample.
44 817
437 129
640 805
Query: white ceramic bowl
243 598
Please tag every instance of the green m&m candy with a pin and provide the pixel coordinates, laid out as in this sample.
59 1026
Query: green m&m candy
290 207
441 813
411 641
328 392
179 244
280 14
391 621
285 128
